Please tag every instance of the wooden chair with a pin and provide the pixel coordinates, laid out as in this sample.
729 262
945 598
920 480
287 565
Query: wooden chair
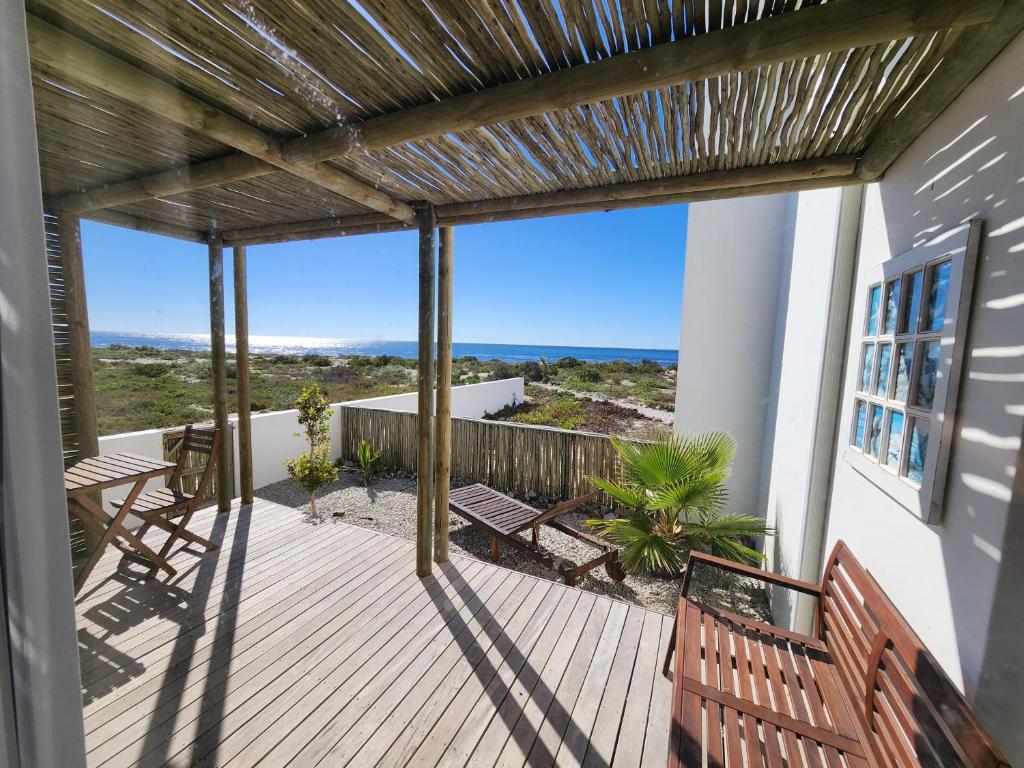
504 518
155 508
863 691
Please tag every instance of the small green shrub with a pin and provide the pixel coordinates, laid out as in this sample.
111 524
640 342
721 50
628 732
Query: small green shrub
313 469
563 412
588 374
531 371
149 370
368 459
318 361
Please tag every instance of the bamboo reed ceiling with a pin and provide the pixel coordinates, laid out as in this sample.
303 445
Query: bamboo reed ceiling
295 68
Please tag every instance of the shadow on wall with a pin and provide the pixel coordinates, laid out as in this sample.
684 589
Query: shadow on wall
978 172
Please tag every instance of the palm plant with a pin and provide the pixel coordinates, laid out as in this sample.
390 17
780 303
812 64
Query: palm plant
675 491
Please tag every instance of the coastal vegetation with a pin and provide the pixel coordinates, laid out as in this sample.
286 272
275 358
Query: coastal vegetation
146 387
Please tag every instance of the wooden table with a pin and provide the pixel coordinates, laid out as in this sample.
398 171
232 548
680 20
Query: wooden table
84 479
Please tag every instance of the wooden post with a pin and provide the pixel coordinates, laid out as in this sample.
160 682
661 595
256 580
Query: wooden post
425 376
76 306
242 373
218 362
443 419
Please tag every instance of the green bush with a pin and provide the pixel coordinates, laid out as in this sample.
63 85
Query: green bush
567 362
588 374
563 412
149 370
531 371
318 361
313 469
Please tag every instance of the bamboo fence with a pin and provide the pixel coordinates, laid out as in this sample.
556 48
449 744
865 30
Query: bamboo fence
508 457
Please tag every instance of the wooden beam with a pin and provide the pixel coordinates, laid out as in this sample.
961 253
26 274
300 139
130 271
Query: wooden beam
209 173
242 373
80 347
128 221
443 418
465 213
838 25
218 364
81 62
972 51
425 379
833 26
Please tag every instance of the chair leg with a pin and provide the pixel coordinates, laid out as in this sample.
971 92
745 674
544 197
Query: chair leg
494 549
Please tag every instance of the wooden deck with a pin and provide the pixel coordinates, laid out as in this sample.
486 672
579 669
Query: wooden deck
302 644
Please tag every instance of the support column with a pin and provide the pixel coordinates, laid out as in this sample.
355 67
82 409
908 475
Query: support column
80 346
218 362
443 420
425 376
242 373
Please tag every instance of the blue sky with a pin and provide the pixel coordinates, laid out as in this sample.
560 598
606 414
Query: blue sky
602 279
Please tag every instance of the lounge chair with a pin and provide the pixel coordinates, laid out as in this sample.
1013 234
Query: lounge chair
504 518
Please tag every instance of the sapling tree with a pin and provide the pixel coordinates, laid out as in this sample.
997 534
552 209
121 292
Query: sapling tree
313 469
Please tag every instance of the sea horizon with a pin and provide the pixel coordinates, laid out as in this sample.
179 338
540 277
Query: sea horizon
312 345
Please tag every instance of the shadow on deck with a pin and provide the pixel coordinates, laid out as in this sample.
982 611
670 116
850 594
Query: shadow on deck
308 643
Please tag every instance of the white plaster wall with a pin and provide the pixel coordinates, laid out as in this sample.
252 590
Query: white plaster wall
735 252
801 353
148 442
275 434
959 583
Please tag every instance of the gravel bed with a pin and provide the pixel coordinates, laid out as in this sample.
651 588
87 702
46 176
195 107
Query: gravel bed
389 506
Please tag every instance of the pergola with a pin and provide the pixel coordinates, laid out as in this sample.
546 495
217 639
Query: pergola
238 123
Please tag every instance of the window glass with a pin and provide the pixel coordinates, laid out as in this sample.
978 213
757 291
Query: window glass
875 425
867 365
892 304
912 303
894 442
939 290
904 363
917 449
928 366
882 380
874 302
860 414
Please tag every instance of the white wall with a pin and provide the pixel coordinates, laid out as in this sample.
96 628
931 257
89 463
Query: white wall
800 359
275 434
736 251
959 583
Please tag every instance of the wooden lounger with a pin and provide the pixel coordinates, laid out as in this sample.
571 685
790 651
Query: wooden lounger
504 518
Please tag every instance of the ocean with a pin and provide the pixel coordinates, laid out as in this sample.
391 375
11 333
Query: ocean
301 345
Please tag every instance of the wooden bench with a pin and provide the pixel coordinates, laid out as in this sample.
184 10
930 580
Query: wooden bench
504 518
864 691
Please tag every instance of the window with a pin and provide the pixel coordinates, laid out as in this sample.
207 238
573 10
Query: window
906 368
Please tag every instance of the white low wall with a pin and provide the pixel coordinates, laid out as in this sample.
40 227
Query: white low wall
275 435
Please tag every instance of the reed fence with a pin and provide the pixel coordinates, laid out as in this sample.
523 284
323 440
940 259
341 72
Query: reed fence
508 457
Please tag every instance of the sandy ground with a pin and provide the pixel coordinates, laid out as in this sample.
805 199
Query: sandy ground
389 506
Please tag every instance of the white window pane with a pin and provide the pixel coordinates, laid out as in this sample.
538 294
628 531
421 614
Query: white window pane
874 305
917 450
894 444
912 303
892 304
860 415
904 364
867 364
875 425
882 380
937 294
928 366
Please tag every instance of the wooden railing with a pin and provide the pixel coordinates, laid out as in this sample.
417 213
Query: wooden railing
506 456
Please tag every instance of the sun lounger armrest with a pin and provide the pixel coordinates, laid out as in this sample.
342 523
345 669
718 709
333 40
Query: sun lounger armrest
565 506
745 570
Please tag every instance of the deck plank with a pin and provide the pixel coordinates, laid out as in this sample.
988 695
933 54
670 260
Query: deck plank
305 644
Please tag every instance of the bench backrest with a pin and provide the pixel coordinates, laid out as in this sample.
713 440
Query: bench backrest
911 711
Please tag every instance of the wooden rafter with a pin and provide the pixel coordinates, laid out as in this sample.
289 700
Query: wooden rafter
835 26
972 51
707 186
76 59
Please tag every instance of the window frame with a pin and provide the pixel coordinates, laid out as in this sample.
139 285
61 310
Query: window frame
960 248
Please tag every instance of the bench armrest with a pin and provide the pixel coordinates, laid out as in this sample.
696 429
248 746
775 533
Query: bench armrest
566 506
745 570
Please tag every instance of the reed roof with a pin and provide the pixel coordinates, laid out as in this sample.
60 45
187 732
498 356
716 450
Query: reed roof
295 69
